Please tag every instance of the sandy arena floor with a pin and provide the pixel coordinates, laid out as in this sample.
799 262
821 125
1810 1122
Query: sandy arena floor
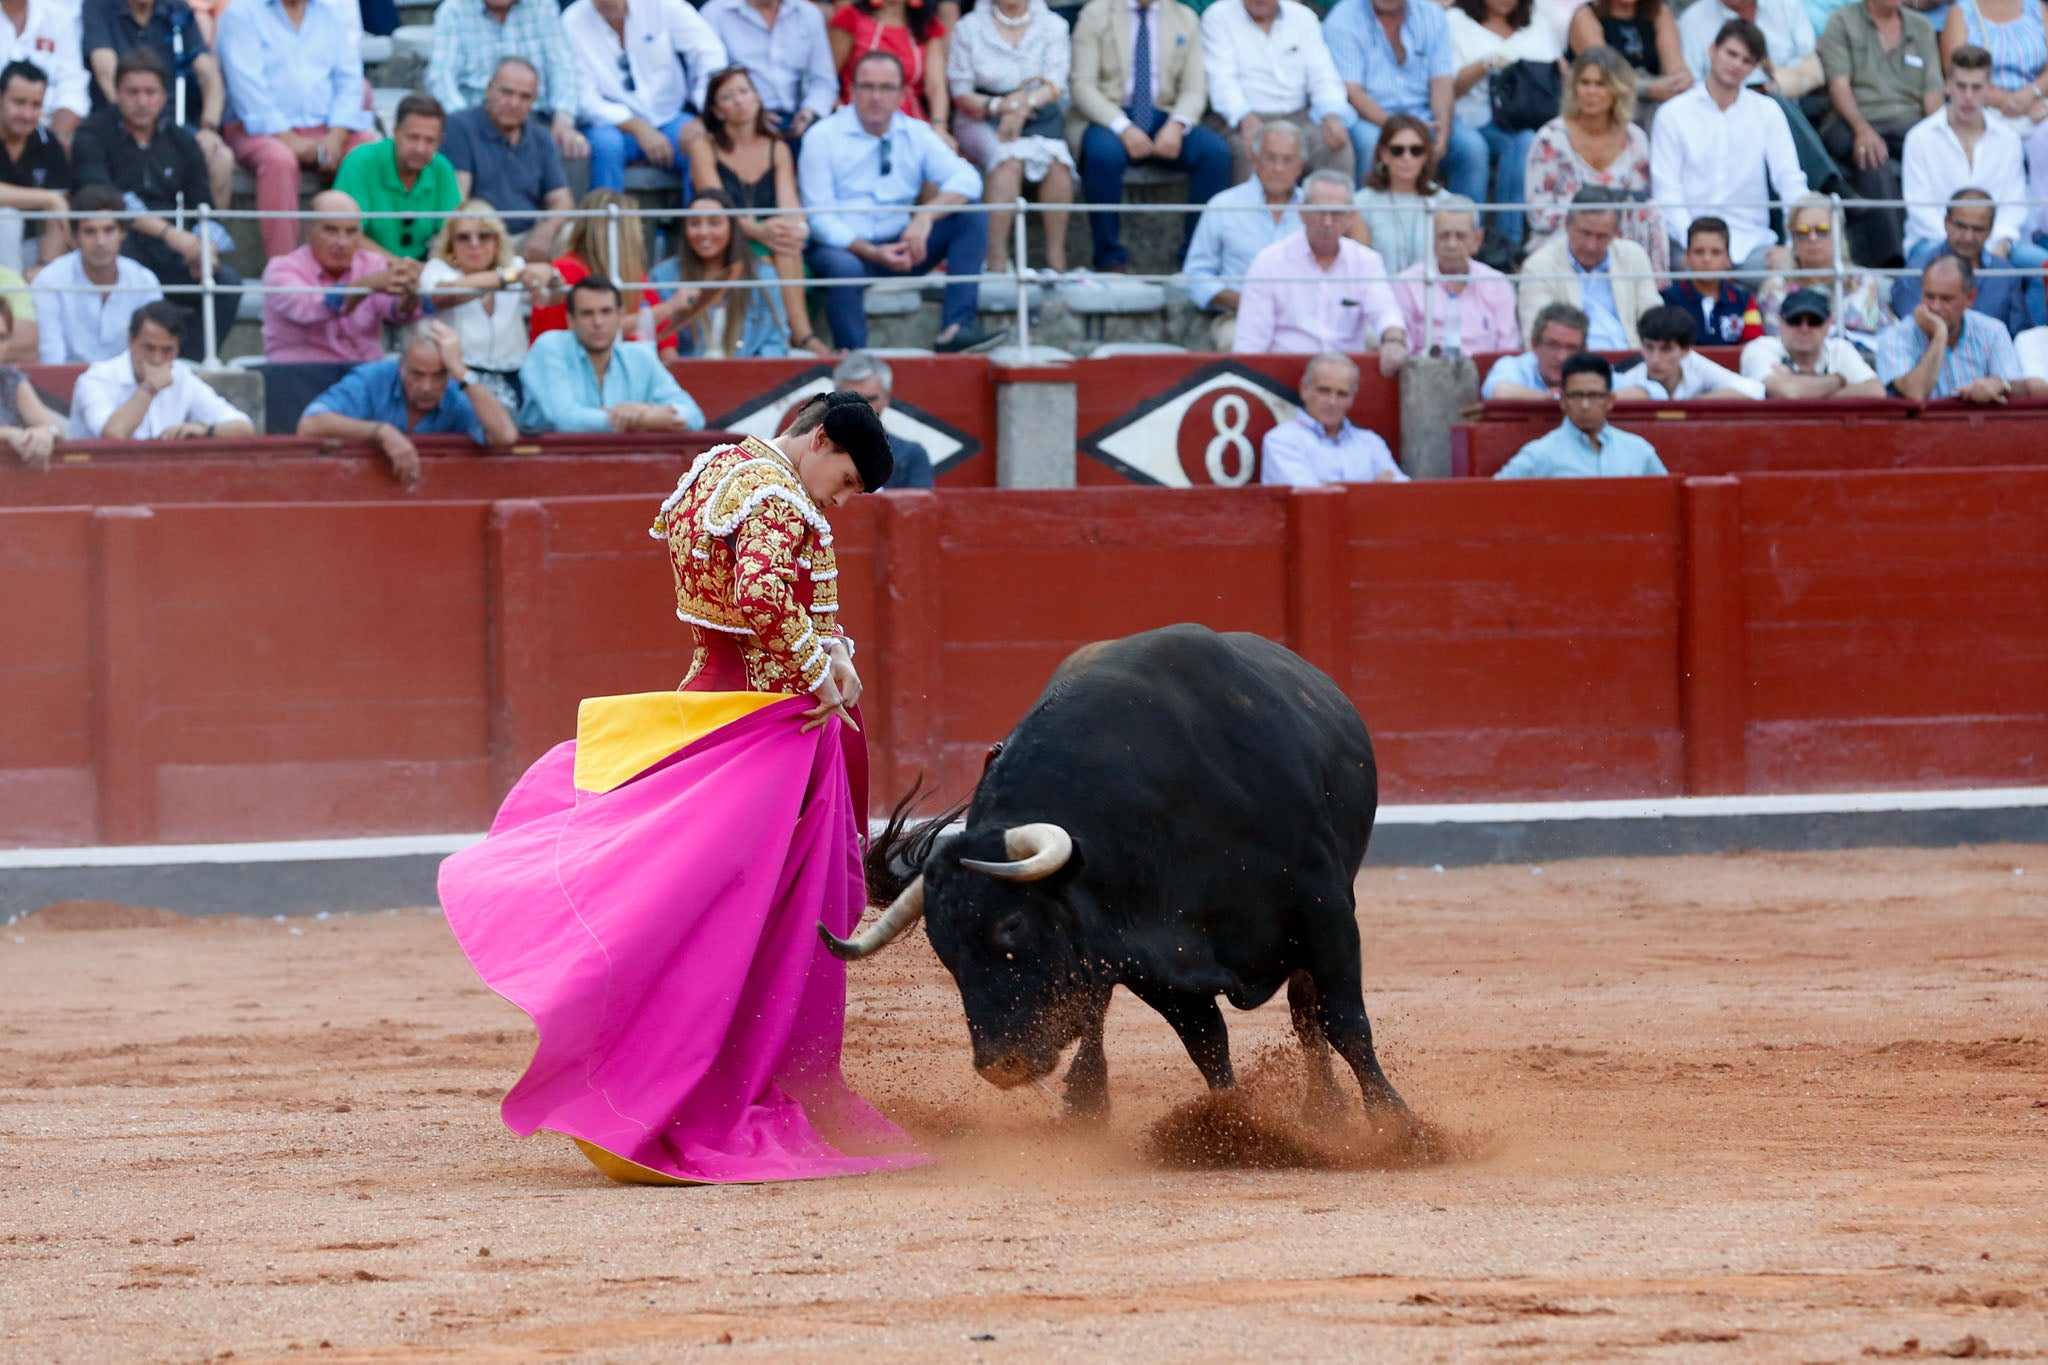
1785 1108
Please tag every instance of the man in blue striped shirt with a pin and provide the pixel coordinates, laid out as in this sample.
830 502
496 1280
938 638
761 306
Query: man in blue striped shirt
1946 350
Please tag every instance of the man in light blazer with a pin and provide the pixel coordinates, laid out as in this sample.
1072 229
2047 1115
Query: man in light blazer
1594 269
1139 92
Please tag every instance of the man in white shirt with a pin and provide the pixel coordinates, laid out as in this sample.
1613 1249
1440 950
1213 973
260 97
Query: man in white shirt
1266 61
147 394
1711 148
640 64
1957 148
1670 361
1318 290
1803 361
85 297
1790 66
1321 444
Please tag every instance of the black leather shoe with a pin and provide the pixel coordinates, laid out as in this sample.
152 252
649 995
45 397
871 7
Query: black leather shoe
971 337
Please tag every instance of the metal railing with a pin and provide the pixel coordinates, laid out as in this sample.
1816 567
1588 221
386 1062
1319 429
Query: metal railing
209 287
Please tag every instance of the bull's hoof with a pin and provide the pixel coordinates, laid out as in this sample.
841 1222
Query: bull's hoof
1087 1109
1322 1104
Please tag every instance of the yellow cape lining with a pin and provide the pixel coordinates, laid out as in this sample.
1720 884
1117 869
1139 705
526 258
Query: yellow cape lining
619 738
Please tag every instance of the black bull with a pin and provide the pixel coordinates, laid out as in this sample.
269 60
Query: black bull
1180 813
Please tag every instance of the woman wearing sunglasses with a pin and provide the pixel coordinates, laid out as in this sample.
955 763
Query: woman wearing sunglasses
1393 208
486 293
1810 264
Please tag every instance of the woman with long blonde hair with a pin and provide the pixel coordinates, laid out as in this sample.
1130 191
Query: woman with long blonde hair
1594 141
483 291
587 251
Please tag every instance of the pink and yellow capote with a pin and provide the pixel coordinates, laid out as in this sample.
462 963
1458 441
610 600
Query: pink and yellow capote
650 893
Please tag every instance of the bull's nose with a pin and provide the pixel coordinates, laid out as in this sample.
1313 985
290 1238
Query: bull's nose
1007 1071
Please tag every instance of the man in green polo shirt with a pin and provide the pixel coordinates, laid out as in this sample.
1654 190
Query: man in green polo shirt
405 174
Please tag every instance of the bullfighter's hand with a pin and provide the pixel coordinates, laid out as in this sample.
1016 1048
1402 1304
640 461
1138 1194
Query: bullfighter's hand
830 703
844 675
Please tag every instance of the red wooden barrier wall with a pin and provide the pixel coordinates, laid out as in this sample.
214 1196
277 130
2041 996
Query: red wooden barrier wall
258 671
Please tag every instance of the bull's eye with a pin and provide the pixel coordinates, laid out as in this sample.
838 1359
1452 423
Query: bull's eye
1009 934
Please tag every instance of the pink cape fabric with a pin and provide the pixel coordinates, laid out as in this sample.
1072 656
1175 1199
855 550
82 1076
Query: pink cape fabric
663 937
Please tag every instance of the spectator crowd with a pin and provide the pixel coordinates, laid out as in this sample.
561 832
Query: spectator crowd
1383 178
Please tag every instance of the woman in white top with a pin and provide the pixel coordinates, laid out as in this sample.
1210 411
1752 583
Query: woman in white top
1488 36
478 287
1006 69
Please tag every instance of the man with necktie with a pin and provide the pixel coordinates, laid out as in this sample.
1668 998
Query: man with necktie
1139 92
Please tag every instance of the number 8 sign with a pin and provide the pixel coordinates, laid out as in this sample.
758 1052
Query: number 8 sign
1204 432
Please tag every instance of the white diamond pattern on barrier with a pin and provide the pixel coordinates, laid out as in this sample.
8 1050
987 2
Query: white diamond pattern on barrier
767 415
1203 432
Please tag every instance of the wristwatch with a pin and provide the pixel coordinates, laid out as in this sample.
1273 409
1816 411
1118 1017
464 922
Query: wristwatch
466 378
509 273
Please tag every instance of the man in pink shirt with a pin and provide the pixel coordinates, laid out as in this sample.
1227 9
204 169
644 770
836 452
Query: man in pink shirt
1317 290
1471 310
328 320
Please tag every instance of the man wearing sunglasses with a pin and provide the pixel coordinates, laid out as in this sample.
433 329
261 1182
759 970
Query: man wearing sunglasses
641 64
1803 360
874 161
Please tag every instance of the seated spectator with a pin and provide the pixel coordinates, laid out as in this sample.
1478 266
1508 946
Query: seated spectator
1644 35
1946 350
1883 69
587 251
1006 66
756 169
1803 361
1789 66
86 297
22 345
145 393
473 38
1319 290
915 36
1557 334
502 153
1969 224
787 56
641 65
1714 145
2011 32
869 153
296 98
485 293
46 34
1593 143
1957 148
1590 266
586 379
1414 77
1489 36
1670 362
1266 61
35 172
334 295
1321 444
1723 312
1810 264
424 391
870 377
1400 187
27 427
1226 239
1584 446
702 319
1139 91
1472 308
160 165
405 173
114 28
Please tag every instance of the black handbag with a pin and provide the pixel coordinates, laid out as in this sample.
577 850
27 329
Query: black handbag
1526 95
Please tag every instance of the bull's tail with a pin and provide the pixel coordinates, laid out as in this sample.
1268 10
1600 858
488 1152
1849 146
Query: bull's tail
898 852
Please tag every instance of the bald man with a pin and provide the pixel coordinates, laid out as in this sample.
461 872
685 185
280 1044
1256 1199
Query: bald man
347 291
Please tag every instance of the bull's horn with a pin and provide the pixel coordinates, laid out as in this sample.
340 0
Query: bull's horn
907 910
1035 851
